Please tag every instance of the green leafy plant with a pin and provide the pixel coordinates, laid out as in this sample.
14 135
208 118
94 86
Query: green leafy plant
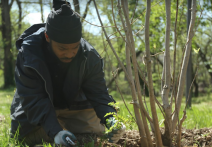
119 119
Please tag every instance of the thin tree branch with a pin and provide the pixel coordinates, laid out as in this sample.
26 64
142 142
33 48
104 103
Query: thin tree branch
92 23
184 64
137 55
149 73
125 36
134 11
76 6
116 80
156 54
27 2
175 117
175 48
128 58
86 10
128 49
131 43
184 114
145 11
180 129
11 3
110 44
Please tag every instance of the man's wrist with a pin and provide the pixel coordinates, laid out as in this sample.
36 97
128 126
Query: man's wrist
52 134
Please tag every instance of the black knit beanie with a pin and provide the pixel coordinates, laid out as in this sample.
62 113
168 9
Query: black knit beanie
63 25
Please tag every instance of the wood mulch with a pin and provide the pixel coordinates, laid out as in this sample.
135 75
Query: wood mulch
190 138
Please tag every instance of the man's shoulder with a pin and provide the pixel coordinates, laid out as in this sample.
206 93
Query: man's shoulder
93 58
31 44
34 38
31 30
88 50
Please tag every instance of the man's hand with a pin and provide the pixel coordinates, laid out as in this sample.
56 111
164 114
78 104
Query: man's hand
117 130
65 138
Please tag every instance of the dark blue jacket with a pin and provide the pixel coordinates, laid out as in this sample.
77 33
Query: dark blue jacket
32 105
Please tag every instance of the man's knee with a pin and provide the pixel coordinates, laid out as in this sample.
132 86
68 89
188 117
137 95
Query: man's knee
36 137
80 121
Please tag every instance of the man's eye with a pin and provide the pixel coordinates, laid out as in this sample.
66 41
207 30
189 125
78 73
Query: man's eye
76 48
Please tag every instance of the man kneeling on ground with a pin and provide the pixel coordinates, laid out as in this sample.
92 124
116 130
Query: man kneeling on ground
60 83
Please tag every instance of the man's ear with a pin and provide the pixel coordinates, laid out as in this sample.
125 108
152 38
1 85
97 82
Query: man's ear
47 37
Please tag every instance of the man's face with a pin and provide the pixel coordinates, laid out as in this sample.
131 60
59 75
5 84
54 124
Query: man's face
65 52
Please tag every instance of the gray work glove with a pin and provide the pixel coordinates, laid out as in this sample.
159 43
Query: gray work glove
65 138
117 132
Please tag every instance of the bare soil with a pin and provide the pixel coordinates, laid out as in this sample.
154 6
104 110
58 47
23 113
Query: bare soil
190 138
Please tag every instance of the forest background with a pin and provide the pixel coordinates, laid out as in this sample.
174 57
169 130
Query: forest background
18 15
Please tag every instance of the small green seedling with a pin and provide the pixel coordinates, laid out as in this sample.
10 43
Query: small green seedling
119 118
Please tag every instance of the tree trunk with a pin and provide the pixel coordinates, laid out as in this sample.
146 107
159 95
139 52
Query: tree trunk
129 70
189 68
19 17
203 56
41 10
167 79
86 10
196 86
6 40
149 73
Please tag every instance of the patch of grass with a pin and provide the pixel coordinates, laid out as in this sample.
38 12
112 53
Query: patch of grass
5 101
199 116
201 99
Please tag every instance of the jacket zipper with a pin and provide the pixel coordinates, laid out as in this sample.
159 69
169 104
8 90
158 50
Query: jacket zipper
84 67
83 71
43 80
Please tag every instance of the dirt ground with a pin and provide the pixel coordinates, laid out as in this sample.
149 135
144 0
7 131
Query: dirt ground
190 138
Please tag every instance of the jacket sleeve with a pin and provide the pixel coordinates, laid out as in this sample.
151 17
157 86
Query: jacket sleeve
34 99
94 87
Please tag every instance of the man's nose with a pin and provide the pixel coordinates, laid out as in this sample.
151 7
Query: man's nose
70 54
